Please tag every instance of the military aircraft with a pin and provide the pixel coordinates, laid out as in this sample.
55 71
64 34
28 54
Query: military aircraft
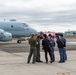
12 28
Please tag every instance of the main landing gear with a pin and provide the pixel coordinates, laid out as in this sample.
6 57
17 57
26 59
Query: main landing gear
19 41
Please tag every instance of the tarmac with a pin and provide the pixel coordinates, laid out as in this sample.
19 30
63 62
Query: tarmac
13 62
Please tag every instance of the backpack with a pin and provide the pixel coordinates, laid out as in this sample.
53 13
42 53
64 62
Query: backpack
62 43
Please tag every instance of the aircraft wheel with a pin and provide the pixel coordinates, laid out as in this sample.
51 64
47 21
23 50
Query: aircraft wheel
18 41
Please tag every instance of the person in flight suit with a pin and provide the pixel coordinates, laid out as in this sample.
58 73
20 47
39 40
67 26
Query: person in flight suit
38 49
32 43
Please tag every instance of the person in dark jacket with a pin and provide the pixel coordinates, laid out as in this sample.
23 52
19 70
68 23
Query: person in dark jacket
60 45
46 47
64 40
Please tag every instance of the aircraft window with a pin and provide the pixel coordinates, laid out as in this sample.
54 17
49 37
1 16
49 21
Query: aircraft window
1 33
12 26
27 29
9 36
24 24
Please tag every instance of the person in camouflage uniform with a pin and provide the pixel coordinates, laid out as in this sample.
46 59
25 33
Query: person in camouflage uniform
38 49
32 43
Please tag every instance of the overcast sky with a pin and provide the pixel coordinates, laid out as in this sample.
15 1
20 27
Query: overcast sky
43 15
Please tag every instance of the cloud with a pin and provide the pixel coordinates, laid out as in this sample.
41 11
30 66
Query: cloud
40 12
42 17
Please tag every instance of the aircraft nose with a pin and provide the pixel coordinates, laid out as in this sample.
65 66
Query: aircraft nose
34 31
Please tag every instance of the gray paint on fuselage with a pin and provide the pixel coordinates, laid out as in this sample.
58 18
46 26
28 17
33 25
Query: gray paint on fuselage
16 28
7 26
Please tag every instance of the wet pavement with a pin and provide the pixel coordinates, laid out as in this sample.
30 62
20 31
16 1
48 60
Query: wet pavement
13 61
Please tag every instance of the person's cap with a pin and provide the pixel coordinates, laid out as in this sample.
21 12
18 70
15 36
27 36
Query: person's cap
45 35
32 34
62 35
50 35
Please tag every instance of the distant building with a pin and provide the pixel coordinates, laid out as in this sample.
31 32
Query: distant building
52 33
71 33
47 33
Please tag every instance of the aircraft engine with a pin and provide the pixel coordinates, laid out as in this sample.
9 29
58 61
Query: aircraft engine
1 33
7 37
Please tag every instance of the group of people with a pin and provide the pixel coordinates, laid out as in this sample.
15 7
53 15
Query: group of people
48 44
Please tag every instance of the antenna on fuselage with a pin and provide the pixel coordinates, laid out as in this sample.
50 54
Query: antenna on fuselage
12 19
4 19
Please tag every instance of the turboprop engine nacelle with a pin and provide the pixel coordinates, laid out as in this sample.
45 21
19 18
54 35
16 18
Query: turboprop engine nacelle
1 33
7 37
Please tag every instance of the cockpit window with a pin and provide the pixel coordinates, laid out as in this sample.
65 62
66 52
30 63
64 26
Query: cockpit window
24 24
12 26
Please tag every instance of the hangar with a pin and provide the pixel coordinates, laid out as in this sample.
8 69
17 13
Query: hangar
70 33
